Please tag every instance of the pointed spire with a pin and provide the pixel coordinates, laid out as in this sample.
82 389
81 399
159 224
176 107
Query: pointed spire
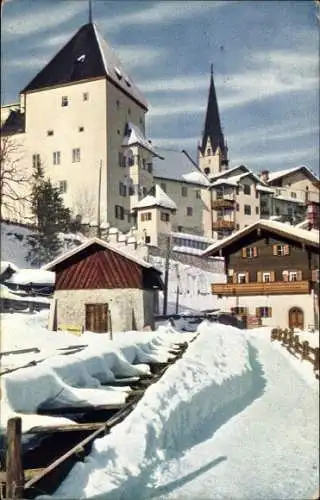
212 127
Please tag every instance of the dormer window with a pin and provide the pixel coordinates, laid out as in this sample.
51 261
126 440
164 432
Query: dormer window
81 58
118 72
127 82
64 101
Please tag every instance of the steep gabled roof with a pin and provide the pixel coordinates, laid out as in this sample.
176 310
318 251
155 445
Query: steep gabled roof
285 230
212 126
86 56
229 172
103 244
156 198
274 176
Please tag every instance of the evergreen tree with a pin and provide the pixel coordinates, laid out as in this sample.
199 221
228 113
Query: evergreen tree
51 217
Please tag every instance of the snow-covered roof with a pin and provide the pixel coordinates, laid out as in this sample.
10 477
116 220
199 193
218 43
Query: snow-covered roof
282 173
32 276
134 135
102 243
267 189
298 234
158 199
196 177
288 198
192 237
228 172
235 179
175 165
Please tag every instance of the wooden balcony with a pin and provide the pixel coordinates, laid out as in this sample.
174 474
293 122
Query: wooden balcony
272 288
221 224
223 203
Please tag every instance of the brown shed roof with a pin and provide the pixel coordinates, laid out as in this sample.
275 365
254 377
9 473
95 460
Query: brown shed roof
97 264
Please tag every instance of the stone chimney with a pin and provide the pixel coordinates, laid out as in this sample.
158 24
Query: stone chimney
264 176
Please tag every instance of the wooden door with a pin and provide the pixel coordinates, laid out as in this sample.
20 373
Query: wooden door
97 316
296 319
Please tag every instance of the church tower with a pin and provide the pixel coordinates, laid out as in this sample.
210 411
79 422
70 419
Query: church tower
213 150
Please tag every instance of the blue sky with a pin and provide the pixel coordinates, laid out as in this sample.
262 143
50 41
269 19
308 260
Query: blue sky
265 56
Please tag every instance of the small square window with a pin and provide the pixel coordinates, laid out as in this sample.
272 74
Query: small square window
118 104
62 186
198 194
246 189
257 210
80 129
293 194
75 155
36 161
49 132
237 207
56 157
247 209
147 239
64 101
85 96
184 191
189 211
164 217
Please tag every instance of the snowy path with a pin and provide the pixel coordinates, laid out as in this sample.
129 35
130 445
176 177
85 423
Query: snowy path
266 451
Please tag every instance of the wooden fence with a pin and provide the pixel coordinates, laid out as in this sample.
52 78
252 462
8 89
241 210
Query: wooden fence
299 348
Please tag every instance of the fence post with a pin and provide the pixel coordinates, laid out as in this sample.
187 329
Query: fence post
316 365
305 349
14 470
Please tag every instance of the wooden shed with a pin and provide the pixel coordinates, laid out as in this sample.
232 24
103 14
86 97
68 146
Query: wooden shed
99 287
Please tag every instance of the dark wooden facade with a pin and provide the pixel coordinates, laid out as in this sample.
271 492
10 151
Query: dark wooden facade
97 267
296 258
256 252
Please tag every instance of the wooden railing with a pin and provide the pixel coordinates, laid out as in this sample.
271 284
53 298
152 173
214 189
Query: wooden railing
223 224
223 203
271 288
298 348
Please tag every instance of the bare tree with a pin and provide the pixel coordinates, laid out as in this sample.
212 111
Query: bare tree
15 182
85 204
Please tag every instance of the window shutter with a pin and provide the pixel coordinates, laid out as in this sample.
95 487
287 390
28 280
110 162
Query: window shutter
299 275
272 276
274 249
255 252
269 312
244 253
285 275
259 277
247 277
234 278
286 250
258 312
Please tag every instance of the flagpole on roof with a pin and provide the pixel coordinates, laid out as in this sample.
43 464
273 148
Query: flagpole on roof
90 11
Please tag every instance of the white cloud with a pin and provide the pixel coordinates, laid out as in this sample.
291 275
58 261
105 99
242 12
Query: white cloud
137 56
289 156
178 144
177 84
161 12
281 131
36 21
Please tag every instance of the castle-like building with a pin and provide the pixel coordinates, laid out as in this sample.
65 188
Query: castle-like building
83 118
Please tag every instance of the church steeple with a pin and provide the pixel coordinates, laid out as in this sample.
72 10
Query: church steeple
212 127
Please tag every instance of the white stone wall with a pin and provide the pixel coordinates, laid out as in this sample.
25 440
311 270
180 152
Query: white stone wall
281 304
123 304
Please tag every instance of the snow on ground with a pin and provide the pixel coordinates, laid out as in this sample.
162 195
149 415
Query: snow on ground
230 419
73 379
215 371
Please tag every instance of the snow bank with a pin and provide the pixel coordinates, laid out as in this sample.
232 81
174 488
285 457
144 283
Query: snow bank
213 372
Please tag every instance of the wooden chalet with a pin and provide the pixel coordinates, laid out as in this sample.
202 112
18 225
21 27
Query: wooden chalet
100 288
271 271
